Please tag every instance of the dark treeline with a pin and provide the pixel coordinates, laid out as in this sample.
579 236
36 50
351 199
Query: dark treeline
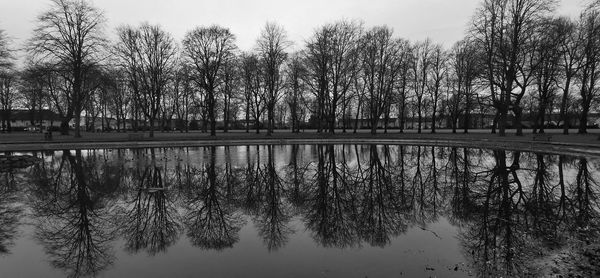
518 65
511 207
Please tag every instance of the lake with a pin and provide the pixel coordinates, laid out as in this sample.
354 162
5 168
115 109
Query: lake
293 211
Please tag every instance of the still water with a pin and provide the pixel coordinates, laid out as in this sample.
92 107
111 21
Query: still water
293 211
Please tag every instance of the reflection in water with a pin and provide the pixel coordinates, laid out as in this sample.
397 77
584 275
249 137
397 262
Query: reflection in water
331 209
273 212
10 211
148 218
510 207
73 222
211 220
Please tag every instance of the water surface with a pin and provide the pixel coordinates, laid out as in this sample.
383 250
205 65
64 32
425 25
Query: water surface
293 211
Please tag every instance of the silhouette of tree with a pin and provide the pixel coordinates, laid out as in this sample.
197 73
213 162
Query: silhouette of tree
296 177
73 223
207 50
211 221
504 29
589 77
147 54
272 45
378 214
69 36
332 64
150 220
274 212
331 208
10 211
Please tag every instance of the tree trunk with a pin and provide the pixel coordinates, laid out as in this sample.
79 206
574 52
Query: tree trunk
419 117
64 126
502 118
357 115
542 115
226 117
583 120
374 121
467 121
433 119
563 106
8 122
211 114
151 127
386 120
257 124
402 119
518 117
270 120
77 124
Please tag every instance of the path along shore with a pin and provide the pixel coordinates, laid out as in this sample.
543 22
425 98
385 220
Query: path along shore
552 142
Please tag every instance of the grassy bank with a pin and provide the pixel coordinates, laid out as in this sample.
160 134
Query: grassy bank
583 144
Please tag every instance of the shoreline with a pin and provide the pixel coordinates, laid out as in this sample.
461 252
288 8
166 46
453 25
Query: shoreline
574 144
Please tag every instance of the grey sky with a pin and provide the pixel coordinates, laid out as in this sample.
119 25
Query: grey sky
443 21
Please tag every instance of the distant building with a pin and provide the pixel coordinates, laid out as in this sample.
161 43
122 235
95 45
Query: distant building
23 119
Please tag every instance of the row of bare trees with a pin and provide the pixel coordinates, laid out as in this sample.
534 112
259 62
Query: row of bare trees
518 62
526 47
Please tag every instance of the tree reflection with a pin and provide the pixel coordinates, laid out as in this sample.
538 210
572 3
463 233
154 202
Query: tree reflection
541 203
519 212
460 175
585 201
491 236
252 187
211 221
331 205
150 220
73 224
274 212
296 175
510 207
11 209
10 213
379 216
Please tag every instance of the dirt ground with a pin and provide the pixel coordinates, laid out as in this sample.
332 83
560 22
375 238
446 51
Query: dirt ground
568 262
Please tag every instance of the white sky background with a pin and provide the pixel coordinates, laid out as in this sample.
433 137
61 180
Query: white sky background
444 21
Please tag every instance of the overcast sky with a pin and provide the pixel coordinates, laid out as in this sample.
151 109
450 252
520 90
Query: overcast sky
443 21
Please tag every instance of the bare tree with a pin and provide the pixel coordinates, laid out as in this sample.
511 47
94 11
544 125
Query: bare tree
34 97
466 67
120 95
5 52
404 83
590 73
252 80
148 54
332 65
548 57
317 61
503 28
8 96
381 65
7 83
437 73
69 34
208 49
229 90
422 52
271 47
569 43
93 81
182 95
295 72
